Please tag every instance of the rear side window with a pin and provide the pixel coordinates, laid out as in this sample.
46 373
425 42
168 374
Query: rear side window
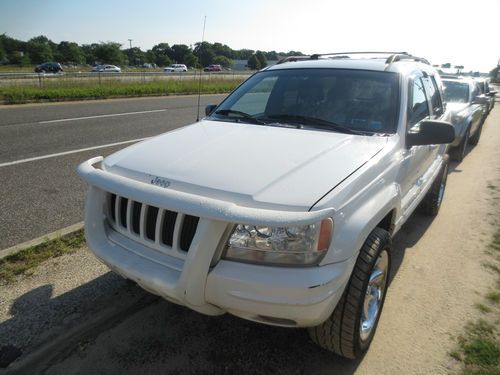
434 96
418 108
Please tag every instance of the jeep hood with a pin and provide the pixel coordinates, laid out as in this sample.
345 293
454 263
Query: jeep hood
250 165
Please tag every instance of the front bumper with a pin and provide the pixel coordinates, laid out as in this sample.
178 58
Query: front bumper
287 296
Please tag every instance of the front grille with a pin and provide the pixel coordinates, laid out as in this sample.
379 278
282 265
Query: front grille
149 224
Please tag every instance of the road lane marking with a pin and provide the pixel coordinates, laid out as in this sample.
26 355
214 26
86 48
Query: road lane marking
99 116
21 161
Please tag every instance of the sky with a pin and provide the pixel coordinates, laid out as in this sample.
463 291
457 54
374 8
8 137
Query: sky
459 32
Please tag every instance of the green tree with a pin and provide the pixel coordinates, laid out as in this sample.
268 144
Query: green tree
88 51
39 49
253 62
135 56
459 68
109 53
222 50
162 52
223 60
243 54
179 53
150 56
3 55
69 53
11 45
191 60
205 52
19 58
262 59
272 55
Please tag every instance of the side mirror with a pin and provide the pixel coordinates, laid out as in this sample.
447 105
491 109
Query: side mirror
431 132
209 109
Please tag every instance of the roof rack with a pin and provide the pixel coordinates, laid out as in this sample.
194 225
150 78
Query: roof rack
405 56
392 58
293 58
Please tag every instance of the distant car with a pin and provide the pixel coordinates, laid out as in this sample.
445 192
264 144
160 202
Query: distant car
488 91
465 108
176 68
106 69
213 68
50 67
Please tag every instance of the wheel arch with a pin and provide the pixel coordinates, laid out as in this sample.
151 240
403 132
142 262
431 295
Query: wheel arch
356 223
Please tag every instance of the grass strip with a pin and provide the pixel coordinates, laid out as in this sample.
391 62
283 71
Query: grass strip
26 260
57 91
478 347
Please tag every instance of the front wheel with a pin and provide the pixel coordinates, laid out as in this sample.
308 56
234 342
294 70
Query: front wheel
349 330
432 201
474 140
458 153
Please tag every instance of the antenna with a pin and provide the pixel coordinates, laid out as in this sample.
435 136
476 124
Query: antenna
199 61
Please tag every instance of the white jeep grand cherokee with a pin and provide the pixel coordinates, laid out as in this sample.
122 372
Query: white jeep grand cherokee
280 205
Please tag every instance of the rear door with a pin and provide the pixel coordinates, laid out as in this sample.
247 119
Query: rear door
436 113
415 158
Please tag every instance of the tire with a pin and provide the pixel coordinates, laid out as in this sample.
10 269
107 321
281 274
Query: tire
342 332
458 153
474 140
432 201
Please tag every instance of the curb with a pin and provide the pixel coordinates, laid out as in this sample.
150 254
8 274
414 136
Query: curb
37 241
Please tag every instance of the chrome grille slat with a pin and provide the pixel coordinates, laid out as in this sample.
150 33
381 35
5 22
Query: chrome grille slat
142 222
159 223
155 227
177 229
129 215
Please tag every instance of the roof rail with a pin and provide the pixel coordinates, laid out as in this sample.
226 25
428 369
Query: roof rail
392 58
293 58
404 56
345 54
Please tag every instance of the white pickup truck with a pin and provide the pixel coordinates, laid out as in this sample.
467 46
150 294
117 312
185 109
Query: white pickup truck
279 206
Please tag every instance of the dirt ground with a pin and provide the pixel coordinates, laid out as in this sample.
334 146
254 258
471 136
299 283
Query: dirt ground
437 276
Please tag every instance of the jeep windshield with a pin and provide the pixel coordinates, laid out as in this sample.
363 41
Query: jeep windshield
340 100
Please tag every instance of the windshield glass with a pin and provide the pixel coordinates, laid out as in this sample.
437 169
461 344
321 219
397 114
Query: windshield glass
456 92
351 101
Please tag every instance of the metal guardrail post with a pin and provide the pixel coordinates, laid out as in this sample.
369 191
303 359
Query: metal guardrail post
40 80
99 78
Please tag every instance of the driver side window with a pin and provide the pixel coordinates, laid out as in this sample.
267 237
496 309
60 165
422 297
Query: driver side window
418 108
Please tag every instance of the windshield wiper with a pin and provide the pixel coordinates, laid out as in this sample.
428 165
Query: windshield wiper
242 115
314 123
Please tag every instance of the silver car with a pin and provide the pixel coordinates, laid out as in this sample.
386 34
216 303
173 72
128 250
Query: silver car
488 92
466 107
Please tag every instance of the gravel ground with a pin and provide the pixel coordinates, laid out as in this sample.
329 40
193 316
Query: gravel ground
57 296
437 278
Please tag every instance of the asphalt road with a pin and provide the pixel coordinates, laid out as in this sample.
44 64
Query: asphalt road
40 191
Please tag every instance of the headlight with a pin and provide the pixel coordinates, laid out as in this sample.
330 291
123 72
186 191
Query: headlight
292 245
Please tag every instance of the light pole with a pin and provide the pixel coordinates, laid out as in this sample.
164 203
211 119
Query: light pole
130 43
